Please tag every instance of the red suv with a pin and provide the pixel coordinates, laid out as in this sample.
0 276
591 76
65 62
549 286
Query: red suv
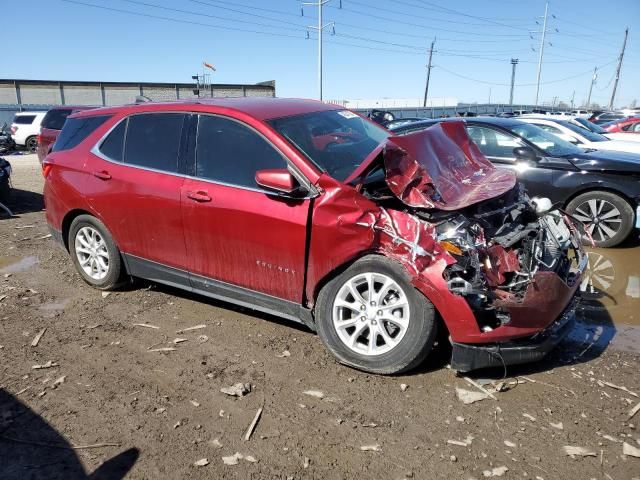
50 127
310 212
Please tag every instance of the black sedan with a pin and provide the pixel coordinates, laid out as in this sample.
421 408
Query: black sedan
599 188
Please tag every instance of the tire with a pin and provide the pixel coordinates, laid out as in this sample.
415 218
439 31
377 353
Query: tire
607 216
31 144
100 249
407 347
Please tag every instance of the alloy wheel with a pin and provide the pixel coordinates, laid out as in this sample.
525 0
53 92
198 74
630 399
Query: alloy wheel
91 251
601 218
371 314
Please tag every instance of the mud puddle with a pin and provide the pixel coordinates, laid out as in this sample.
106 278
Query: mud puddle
609 311
17 264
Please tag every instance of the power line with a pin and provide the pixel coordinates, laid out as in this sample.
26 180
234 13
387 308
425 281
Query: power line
521 84
175 20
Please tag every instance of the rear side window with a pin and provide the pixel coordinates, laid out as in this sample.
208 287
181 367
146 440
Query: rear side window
113 145
75 130
153 140
232 153
24 119
54 119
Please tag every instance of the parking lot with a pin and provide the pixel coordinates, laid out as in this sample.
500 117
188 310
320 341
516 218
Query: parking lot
123 381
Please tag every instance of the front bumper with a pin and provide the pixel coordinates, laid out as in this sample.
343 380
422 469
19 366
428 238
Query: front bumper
467 357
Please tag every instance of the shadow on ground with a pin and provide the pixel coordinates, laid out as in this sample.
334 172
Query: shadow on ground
30 448
23 201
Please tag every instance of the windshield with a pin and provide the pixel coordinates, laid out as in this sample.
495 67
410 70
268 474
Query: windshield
337 141
588 134
590 126
546 141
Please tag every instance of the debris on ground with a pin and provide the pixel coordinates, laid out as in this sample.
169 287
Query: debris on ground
59 381
371 448
202 462
49 364
464 443
495 472
194 403
558 425
529 417
284 354
602 383
253 424
306 462
197 327
510 444
467 396
216 443
403 387
634 410
479 387
314 393
233 459
203 338
574 451
179 340
105 294
37 338
146 325
630 450
237 390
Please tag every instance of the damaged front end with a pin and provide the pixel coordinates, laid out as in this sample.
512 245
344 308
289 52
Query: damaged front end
502 269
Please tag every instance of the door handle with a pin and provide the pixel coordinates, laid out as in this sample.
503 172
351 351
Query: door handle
199 196
102 175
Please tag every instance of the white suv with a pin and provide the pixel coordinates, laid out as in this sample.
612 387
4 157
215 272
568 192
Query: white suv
25 129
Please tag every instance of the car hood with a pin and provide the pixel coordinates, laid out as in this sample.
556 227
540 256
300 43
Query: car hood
609 160
439 167
614 144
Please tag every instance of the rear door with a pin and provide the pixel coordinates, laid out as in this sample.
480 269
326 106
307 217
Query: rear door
236 232
134 186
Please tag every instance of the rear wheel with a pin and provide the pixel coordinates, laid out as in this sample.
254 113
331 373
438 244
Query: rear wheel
370 317
607 217
31 144
94 254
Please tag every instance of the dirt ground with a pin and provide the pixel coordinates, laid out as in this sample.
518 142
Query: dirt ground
111 403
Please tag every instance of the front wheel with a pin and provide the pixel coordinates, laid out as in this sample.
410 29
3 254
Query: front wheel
94 253
607 217
370 317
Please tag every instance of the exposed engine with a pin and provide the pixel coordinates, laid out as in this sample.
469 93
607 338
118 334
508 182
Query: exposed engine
499 245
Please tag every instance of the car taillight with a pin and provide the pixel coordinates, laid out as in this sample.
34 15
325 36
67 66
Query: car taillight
46 169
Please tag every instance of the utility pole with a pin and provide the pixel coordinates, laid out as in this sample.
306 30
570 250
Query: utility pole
489 102
593 81
544 33
573 97
319 29
615 84
426 88
514 62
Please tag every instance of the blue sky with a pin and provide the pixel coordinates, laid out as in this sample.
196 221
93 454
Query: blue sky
379 49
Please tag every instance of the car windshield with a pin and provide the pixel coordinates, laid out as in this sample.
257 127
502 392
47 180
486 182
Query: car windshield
337 141
586 124
588 134
546 141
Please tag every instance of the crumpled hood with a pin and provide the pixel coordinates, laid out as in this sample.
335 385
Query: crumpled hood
440 167
610 160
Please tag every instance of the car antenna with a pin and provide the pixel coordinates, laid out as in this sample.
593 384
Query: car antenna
142 99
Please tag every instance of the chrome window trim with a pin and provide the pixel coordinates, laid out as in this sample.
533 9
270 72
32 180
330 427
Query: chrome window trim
95 150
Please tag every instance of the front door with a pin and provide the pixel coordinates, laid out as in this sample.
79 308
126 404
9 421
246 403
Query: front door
235 231
498 147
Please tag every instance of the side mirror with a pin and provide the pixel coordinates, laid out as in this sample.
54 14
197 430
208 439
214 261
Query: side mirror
525 153
279 180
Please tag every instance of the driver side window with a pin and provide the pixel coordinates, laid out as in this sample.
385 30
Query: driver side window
231 153
493 143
